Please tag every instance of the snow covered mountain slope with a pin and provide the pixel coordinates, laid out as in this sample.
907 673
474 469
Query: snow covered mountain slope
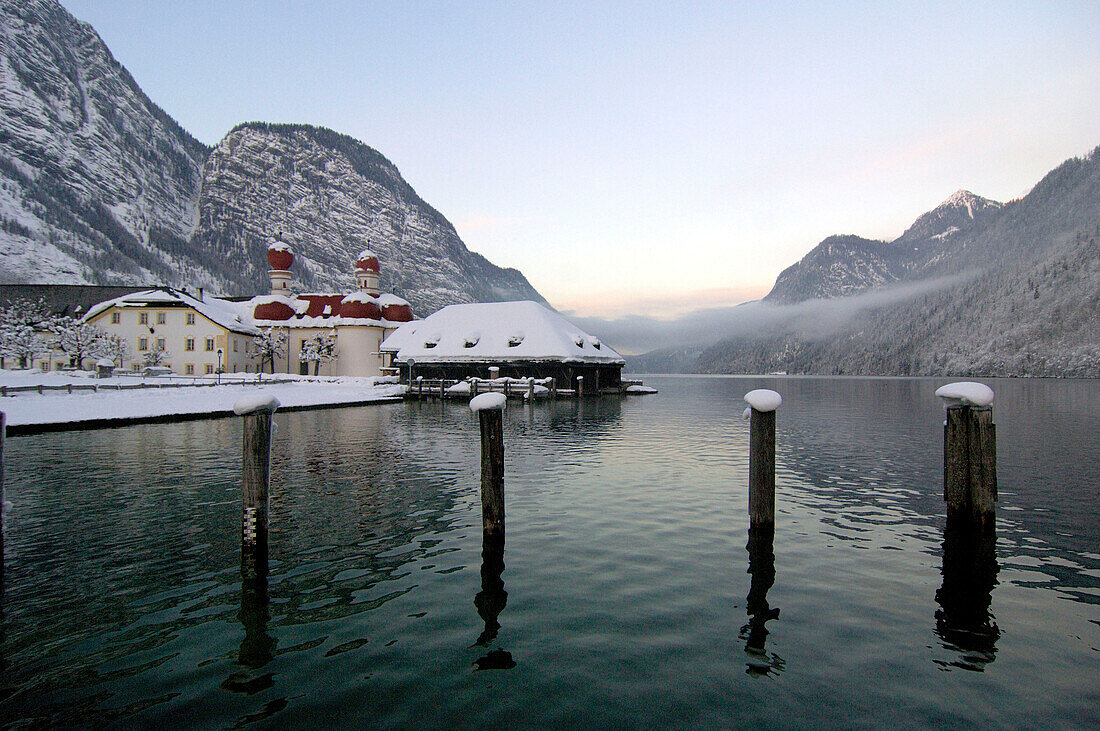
332 196
97 183
844 265
1011 290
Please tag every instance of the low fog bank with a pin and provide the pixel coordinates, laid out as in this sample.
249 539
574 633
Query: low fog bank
812 320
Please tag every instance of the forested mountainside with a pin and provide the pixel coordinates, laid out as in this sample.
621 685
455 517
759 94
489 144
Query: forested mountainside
98 185
1018 294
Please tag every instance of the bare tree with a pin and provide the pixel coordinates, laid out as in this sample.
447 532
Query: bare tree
77 339
269 345
319 349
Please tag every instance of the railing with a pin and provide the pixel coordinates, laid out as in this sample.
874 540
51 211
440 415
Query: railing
96 387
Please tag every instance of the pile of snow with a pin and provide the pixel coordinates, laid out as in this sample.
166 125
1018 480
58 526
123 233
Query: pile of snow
764 399
966 393
488 402
640 389
256 403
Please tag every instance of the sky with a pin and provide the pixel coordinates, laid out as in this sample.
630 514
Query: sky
645 159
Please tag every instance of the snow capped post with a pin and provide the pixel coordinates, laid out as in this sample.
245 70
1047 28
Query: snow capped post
256 460
969 454
580 386
489 408
762 405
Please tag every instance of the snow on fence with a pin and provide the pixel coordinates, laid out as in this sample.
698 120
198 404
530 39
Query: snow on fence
96 387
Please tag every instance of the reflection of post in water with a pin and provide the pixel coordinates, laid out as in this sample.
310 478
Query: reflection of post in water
762 571
964 621
257 647
490 602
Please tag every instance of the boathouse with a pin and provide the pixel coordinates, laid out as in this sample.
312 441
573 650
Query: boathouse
515 339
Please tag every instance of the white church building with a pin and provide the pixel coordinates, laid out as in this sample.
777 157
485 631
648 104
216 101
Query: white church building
202 334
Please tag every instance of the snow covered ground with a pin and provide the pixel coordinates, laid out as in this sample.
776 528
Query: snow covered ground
193 396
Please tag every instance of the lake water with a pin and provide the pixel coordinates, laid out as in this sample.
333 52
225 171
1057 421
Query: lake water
623 597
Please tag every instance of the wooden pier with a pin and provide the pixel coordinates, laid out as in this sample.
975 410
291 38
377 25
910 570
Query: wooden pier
421 389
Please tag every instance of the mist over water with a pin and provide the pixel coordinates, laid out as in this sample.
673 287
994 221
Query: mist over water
813 319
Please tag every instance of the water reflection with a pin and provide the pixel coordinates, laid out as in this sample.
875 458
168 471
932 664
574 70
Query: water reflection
964 622
490 602
755 633
257 647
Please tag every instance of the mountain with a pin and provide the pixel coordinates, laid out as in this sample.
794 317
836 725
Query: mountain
332 196
98 185
994 289
844 265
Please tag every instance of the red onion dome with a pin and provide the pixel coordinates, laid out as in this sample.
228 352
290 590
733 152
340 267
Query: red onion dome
273 310
366 261
279 255
360 307
397 313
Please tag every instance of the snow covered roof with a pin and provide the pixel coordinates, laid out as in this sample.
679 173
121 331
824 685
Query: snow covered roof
497 331
234 316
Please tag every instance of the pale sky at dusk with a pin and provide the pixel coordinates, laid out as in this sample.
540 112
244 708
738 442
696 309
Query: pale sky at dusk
645 158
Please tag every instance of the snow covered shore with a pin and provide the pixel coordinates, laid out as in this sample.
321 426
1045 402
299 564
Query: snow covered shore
29 411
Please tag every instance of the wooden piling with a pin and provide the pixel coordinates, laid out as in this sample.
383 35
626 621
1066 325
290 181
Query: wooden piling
761 412
762 467
530 390
490 410
256 464
580 386
969 455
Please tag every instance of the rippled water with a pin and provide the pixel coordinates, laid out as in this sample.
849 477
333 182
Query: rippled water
625 594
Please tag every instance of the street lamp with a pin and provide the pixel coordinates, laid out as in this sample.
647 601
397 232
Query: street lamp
220 352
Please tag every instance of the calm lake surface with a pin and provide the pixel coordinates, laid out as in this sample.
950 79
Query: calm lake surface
624 596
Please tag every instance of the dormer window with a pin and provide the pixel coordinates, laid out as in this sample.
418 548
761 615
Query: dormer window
594 342
578 340
515 340
432 340
471 340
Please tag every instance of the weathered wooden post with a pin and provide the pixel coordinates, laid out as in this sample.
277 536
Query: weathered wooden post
442 388
553 388
969 454
474 383
580 386
762 405
490 410
420 388
256 461
531 389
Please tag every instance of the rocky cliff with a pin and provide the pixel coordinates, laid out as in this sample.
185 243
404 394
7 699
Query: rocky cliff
98 185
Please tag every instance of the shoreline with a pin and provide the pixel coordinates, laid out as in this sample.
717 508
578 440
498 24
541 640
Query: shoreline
190 399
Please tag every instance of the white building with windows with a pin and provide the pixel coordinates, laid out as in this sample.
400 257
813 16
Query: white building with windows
201 335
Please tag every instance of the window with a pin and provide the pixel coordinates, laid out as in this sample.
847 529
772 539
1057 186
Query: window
143 343
234 345
44 366
143 318
209 368
160 344
115 318
209 344
189 344
190 318
189 369
162 317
